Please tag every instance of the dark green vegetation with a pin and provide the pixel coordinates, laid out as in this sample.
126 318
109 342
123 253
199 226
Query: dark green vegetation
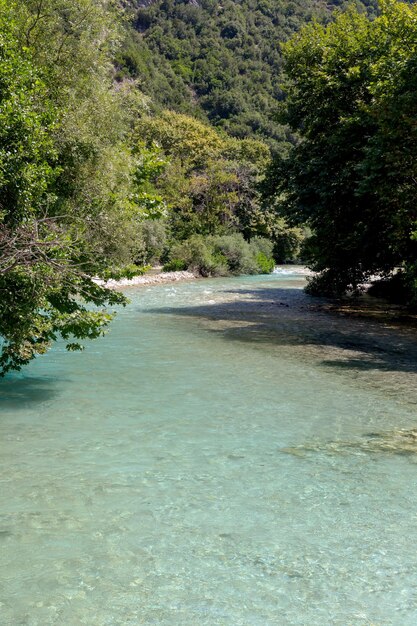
352 97
220 61
209 183
222 255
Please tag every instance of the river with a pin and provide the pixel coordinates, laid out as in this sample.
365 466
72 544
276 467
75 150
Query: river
229 454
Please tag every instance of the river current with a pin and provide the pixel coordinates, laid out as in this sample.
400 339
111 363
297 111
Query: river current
229 454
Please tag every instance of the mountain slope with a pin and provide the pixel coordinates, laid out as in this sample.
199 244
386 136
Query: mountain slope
216 60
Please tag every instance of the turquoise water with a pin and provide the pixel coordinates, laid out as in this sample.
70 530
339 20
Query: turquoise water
225 456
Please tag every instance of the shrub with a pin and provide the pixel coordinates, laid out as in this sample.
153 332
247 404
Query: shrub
127 271
153 241
175 265
199 256
237 252
263 245
265 264
222 255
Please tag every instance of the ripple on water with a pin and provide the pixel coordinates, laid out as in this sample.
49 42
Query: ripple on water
228 455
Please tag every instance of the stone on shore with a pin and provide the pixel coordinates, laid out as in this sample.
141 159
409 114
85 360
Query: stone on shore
147 279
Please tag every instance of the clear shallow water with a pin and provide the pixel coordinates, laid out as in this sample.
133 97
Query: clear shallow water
213 461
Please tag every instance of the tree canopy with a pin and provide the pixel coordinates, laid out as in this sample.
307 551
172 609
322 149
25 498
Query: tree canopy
351 97
61 174
218 61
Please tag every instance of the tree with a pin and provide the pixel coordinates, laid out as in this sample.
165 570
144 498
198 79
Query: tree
216 61
209 179
351 96
56 185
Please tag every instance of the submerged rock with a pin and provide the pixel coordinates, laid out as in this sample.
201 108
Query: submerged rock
394 442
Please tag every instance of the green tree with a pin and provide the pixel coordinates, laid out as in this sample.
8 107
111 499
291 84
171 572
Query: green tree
217 61
64 174
210 179
352 99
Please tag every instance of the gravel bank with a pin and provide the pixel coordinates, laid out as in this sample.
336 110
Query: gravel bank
148 279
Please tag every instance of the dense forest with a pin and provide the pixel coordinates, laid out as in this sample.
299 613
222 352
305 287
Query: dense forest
221 62
189 134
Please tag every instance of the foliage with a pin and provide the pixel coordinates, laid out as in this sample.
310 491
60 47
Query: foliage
222 255
154 241
209 180
66 174
352 98
191 141
175 265
263 249
265 264
288 241
127 271
197 255
217 61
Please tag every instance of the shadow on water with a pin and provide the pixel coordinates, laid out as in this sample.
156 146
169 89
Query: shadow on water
18 392
289 317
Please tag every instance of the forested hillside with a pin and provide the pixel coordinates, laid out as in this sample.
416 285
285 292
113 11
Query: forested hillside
221 61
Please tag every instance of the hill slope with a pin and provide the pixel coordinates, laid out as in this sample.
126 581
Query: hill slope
216 60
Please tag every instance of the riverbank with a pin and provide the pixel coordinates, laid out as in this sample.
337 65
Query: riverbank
152 278
155 277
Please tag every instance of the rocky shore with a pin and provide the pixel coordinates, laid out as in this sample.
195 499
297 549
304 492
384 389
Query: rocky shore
152 278
156 276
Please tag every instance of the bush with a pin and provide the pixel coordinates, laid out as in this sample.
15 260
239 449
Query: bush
198 255
237 253
263 250
175 265
153 241
265 264
127 271
263 245
222 255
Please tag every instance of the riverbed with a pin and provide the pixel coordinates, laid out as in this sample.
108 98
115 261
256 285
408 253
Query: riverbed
229 454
